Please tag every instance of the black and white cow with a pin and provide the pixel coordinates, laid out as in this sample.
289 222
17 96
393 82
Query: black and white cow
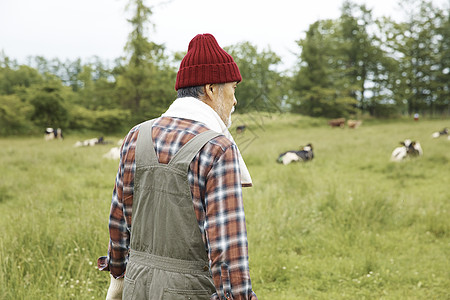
92 142
407 149
53 133
305 154
440 133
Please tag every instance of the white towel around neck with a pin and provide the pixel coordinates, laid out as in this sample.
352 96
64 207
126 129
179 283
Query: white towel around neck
195 109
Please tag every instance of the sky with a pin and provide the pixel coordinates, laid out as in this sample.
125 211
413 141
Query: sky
70 29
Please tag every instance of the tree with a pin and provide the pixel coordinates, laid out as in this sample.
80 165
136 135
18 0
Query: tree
260 87
419 44
142 82
442 71
14 115
322 89
12 79
49 106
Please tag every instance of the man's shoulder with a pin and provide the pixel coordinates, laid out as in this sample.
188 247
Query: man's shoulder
182 130
191 128
222 142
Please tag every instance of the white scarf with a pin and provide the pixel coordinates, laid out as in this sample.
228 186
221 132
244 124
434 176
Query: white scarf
195 109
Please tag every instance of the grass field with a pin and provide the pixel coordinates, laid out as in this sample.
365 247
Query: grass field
348 225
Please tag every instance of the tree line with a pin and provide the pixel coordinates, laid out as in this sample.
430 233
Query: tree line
351 66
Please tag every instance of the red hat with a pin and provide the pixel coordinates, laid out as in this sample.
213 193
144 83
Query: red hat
205 62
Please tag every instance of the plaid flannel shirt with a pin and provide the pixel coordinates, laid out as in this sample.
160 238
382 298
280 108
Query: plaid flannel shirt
217 199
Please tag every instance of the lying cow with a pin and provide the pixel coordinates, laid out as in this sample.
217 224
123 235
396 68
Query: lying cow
86 143
240 129
92 142
354 123
305 154
408 149
337 122
440 133
113 153
53 133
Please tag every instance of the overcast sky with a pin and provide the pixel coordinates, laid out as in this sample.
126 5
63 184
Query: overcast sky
85 28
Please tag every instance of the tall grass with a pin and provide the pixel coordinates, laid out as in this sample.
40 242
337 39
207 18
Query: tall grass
348 225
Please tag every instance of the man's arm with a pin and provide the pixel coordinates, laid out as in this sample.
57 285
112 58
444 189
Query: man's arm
120 213
118 234
225 228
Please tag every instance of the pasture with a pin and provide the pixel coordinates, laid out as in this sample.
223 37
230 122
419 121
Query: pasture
348 225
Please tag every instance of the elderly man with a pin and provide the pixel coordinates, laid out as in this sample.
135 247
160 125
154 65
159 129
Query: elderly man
177 224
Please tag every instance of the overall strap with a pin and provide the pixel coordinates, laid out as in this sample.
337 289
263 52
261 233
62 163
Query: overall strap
183 158
145 154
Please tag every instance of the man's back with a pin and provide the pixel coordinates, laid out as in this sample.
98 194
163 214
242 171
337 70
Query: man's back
216 197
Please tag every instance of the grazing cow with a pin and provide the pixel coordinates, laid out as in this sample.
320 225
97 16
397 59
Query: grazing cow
53 133
408 149
439 133
354 123
113 153
240 129
305 154
337 122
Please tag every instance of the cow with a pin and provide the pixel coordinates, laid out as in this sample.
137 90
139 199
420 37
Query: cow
240 129
440 133
354 123
113 153
337 122
53 133
87 143
305 154
92 142
407 149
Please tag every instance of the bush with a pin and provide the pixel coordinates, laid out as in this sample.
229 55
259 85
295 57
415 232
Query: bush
49 107
106 121
111 120
14 115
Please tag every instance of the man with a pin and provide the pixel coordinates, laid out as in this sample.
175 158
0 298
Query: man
177 224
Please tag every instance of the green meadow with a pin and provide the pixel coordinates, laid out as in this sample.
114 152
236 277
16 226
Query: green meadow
348 225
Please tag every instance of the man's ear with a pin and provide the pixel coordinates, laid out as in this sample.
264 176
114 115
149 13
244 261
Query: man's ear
209 91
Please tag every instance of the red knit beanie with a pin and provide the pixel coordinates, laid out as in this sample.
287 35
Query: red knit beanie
205 62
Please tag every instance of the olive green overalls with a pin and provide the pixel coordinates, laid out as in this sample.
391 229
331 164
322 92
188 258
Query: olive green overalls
168 259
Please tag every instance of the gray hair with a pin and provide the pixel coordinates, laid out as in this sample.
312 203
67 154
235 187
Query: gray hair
192 91
195 91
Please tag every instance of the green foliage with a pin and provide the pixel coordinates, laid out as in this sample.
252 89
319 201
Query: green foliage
381 64
420 44
14 115
49 107
22 77
145 82
261 87
112 120
138 45
103 121
97 91
323 92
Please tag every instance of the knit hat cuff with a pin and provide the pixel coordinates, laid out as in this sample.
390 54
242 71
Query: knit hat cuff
203 74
